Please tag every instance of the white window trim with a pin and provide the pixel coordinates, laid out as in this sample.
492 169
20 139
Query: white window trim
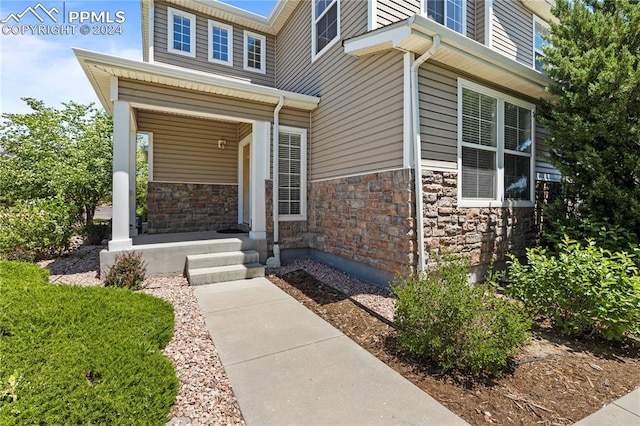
229 29
545 25
314 31
171 12
501 98
263 59
423 12
303 174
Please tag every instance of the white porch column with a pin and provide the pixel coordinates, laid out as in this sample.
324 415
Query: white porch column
133 231
259 151
120 239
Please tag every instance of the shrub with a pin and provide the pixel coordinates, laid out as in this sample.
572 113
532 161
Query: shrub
128 271
606 235
97 232
35 229
583 290
440 317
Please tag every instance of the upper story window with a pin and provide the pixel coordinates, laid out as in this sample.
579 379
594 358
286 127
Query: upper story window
450 13
540 31
220 43
182 32
326 25
495 148
255 50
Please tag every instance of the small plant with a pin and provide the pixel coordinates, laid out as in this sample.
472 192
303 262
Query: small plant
129 271
583 289
441 317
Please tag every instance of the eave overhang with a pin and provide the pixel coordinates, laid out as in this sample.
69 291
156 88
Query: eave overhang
100 68
541 8
416 35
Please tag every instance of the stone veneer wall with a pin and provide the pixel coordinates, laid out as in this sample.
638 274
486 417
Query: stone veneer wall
366 218
485 234
191 207
293 234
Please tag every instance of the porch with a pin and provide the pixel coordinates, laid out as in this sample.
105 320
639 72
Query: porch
210 142
190 252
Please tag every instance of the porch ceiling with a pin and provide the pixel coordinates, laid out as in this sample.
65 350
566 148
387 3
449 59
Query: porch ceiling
416 35
100 68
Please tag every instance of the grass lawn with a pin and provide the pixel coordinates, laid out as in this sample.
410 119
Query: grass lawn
81 355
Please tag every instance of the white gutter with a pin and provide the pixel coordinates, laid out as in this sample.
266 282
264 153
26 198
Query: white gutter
417 149
274 262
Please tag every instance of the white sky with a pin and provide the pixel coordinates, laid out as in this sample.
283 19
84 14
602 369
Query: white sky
44 67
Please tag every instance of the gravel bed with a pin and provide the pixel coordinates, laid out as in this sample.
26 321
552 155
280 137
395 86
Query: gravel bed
374 298
205 396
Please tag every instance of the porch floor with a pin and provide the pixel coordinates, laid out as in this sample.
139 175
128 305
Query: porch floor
184 237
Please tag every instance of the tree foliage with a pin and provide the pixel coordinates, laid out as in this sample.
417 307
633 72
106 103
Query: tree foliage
594 62
57 153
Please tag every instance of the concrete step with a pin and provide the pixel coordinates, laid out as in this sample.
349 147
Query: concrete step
218 274
210 260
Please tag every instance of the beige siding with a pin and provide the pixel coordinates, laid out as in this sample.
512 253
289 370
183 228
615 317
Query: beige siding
244 130
357 127
513 31
471 19
390 11
185 149
188 100
480 25
201 61
295 118
439 119
438 93
544 169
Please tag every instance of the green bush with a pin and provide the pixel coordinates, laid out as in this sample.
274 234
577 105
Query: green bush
441 317
606 235
97 232
583 290
81 355
128 272
35 229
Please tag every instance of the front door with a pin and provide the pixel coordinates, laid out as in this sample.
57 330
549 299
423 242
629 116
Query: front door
244 181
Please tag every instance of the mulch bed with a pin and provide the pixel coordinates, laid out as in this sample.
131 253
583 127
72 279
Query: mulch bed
555 380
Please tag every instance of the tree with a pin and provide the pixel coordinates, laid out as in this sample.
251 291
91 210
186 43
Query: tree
593 60
63 153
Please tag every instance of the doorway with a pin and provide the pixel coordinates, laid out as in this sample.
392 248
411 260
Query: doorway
244 181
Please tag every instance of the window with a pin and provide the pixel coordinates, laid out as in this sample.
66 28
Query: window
540 31
495 147
292 173
450 13
182 32
326 25
220 43
255 50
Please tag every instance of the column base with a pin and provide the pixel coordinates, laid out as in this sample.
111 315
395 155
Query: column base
119 245
257 235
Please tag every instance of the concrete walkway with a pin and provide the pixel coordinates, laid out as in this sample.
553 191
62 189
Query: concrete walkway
288 366
622 412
